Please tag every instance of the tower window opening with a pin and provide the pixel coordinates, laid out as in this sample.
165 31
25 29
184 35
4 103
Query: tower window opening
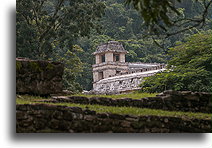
102 58
116 57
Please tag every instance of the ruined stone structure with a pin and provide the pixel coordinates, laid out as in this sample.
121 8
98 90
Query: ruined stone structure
45 118
38 77
111 74
170 100
48 118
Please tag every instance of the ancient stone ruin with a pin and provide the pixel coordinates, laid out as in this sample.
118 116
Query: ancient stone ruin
45 118
185 101
38 77
111 74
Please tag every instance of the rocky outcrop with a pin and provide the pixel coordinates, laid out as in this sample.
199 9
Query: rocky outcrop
168 100
43 118
38 77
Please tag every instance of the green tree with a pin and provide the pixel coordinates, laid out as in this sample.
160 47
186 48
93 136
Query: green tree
188 69
123 23
44 26
49 29
166 17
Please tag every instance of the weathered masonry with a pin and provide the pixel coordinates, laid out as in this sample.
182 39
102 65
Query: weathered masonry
110 61
38 77
112 74
46 118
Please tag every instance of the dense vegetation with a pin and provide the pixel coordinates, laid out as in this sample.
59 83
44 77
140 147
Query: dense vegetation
49 29
124 24
171 17
190 67
69 31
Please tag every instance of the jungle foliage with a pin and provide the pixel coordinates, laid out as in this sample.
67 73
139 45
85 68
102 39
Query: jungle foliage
169 17
49 29
190 67
123 23
70 30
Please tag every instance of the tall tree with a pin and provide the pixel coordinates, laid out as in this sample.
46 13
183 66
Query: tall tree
190 67
46 26
167 18
49 29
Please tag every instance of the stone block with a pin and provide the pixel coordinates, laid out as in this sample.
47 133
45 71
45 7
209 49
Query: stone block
171 92
20 115
38 77
76 109
67 115
102 115
116 116
89 117
79 99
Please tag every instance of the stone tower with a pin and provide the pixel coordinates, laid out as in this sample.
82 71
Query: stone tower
110 61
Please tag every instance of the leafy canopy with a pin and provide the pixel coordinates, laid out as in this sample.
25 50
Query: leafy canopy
47 26
167 16
190 67
49 29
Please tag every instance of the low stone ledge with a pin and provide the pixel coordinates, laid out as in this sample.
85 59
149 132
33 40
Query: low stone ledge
77 120
168 100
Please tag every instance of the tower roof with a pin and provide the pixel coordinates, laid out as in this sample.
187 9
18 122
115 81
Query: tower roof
113 46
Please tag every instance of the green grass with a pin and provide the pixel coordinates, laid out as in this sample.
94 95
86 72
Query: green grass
134 95
119 110
27 99
138 111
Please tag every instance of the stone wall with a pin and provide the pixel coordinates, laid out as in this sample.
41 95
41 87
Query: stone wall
108 68
116 86
168 100
31 118
38 77
122 83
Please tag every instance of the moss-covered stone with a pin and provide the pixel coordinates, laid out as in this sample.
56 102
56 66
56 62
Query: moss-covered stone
35 76
49 66
35 66
138 125
83 122
18 65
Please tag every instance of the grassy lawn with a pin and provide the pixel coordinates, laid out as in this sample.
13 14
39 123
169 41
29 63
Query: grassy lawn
134 95
24 99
